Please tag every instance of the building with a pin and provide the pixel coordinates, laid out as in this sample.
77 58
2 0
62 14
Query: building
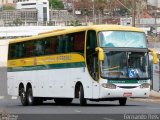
154 3
15 1
5 2
42 7
18 17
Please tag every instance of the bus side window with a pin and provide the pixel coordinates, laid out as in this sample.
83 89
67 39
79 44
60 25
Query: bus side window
12 48
20 50
79 39
50 46
28 50
59 48
67 44
39 47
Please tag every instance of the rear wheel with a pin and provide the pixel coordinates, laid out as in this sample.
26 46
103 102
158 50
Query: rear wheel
63 101
82 100
23 97
30 98
122 101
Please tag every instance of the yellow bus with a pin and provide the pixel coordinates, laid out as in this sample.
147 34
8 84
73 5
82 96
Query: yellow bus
97 63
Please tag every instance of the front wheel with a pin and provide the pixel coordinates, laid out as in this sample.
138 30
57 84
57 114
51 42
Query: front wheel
23 97
82 100
122 101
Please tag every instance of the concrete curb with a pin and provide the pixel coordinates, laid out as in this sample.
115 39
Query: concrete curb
154 94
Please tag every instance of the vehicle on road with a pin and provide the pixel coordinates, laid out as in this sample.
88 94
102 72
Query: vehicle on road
97 63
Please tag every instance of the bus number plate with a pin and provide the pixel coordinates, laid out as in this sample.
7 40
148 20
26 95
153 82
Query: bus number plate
127 94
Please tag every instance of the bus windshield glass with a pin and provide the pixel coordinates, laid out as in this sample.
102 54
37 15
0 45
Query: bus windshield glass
122 39
123 64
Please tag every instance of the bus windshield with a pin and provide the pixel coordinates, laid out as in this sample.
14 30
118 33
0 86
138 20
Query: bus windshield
122 39
123 64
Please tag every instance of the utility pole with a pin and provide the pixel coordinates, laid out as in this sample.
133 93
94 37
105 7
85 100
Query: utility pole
94 20
133 12
155 25
73 9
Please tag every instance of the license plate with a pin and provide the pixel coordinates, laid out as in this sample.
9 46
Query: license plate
127 94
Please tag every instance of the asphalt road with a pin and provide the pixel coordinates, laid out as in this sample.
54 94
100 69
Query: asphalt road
49 107
94 110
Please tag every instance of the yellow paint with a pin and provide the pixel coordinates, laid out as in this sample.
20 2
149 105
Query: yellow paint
154 54
100 53
45 60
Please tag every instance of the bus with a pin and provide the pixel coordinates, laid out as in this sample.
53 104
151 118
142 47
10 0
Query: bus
96 63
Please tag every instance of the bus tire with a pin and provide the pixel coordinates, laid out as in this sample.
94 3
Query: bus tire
82 100
63 101
122 101
30 98
23 97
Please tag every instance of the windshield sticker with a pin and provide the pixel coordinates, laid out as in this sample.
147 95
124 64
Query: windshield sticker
131 73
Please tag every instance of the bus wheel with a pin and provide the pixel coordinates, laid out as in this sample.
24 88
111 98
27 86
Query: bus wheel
82 100
23 97
122 101
30 98
63 101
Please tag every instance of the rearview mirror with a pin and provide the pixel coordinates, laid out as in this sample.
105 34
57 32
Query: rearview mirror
153 53
100 53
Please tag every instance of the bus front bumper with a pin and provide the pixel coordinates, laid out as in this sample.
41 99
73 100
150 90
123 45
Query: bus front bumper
122 92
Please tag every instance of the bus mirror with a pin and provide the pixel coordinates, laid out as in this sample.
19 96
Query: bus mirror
153 53
100 53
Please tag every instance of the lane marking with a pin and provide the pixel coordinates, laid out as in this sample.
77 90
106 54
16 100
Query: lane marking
108 119
77 111
1 97
153 108
14 97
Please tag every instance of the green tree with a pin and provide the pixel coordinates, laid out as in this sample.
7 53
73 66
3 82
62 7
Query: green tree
17 22
56 4
8 8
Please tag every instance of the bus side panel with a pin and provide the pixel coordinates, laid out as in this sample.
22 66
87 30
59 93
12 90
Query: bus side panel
51 83
81 74
13 81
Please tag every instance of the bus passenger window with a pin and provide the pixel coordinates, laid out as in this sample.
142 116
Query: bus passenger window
50 46
29 47
39 49
59 44
67 44
79 39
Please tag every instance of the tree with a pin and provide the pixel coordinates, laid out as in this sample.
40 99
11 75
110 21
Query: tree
56 4
17 22
8 8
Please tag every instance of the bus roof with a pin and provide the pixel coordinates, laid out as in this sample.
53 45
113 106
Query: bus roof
78 29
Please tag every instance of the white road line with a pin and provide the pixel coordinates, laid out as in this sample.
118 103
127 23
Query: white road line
153 108
1 97
108 119
14 97
78 111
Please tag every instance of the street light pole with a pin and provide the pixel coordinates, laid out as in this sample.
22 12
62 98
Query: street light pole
94 20
133 12
155 25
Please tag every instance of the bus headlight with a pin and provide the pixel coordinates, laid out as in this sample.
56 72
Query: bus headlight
108 85
145 85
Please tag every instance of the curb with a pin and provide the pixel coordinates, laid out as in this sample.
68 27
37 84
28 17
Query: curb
154 94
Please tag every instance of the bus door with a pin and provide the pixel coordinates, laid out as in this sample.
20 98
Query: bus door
92 61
